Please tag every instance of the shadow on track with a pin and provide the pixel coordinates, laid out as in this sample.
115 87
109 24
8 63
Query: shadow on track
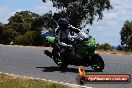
55 68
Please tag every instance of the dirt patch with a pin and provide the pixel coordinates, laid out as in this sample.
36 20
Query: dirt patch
114 52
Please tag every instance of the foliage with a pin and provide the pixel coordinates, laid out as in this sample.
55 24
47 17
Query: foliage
1 32
122 48
82 10
46 20
126 34
105 46
26 39
24 28
6 35
9 35
119 47
22 21
1 28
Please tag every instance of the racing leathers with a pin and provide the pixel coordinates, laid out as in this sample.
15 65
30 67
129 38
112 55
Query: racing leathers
63 35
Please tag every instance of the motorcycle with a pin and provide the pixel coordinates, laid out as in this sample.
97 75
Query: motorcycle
82 53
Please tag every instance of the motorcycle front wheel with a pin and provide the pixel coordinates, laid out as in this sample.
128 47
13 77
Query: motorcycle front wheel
58 59
98 63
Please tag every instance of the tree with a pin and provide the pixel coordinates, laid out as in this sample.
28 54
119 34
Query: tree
1 29
19 25
1 32
126 34
105 46
22 21
9 35
25 28
79 11
26 39
46 20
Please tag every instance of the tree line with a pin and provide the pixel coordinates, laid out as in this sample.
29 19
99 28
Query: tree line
24 28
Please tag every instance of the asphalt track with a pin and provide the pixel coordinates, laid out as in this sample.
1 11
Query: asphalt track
30 61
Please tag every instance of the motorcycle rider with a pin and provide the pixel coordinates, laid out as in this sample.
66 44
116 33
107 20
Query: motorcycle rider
63 31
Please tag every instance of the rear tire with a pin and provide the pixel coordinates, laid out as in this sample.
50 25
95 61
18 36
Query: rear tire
98 63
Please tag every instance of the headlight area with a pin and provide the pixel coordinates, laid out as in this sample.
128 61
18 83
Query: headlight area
90 44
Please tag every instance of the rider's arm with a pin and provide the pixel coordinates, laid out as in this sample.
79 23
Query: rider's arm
64 44
74 29
57 35
57 30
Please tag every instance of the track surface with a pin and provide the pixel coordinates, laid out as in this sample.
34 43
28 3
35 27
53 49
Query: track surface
30 61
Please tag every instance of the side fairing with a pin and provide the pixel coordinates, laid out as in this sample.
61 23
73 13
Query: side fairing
90 42
51 39
88 48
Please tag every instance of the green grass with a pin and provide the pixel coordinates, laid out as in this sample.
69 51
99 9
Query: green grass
19 82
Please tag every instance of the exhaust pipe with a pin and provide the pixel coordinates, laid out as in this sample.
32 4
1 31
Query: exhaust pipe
48 53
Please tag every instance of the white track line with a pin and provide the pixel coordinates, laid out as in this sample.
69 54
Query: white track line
67 84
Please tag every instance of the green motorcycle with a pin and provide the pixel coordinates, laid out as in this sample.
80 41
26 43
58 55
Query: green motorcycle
82 53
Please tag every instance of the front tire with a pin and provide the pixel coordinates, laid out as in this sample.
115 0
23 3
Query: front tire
97 63
58 59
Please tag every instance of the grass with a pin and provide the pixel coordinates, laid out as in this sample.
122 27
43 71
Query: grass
7 81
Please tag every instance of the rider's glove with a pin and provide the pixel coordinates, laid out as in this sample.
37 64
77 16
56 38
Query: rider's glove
71 38
70 46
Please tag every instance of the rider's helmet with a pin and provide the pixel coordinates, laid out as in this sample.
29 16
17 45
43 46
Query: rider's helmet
63 23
